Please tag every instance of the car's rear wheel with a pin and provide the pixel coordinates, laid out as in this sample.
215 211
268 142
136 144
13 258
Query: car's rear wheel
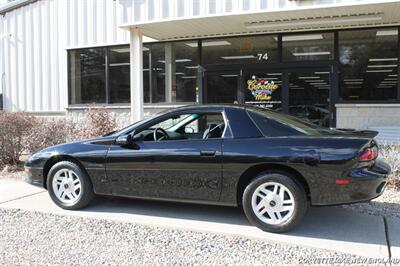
274 202
69 186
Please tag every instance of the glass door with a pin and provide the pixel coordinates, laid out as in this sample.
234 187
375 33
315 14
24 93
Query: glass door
264 89
221 86
309 98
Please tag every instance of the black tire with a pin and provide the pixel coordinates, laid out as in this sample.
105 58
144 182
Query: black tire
299 198
86 193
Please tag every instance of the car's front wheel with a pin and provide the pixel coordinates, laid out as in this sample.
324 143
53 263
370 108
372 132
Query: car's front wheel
274 202
69 186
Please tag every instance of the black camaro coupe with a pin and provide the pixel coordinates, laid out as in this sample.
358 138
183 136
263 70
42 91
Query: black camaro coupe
271 164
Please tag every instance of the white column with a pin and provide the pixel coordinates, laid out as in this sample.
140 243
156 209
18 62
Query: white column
136 62
170 76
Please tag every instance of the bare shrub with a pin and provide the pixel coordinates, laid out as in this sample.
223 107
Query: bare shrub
48 132
101 121
98 122
21 132
391 154
14 128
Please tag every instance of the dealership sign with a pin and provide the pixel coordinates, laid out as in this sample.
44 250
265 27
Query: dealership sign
261 88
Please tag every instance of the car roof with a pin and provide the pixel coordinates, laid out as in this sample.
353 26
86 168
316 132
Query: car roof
206 107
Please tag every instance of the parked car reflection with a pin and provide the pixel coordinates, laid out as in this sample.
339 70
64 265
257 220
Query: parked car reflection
316 114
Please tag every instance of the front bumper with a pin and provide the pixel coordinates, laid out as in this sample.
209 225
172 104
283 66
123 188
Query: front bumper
365 184
34 176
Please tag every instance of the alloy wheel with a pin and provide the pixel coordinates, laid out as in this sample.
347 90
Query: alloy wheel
67 186
273 203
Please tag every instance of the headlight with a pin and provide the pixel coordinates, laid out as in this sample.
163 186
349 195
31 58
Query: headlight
39 155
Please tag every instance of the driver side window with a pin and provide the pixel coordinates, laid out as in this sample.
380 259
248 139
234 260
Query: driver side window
185 126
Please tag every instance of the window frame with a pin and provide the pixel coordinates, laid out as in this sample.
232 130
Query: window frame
69 77
106 75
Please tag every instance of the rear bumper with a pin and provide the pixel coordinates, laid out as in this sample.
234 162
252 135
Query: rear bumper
365 184
34 176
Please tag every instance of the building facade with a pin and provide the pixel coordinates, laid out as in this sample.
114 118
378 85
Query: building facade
332 62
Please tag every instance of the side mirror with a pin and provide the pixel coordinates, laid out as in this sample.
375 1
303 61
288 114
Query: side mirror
129 140
189 130
124 140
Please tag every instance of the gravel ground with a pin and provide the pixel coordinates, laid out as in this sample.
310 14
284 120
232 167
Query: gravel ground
31 238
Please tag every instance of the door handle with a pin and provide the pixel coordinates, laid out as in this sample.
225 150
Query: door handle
208 153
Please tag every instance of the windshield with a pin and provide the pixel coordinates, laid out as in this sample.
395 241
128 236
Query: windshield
292 122
128 129
173 122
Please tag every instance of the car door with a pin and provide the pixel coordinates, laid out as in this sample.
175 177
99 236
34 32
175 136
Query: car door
183 168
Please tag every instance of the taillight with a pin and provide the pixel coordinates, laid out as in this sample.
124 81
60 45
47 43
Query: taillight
368 154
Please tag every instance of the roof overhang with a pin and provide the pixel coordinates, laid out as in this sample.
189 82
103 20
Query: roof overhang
384 13
14 5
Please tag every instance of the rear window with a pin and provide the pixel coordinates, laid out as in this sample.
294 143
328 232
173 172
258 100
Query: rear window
275 124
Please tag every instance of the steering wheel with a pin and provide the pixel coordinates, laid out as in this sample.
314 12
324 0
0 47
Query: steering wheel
210 130
162 131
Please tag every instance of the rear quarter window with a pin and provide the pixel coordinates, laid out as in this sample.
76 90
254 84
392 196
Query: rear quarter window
241 125
272 128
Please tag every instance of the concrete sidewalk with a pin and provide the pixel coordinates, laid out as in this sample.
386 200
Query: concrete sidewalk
330 228
12 190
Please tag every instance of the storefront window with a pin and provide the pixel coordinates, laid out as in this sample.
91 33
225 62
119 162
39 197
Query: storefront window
87 76
174 72
309 96
186 71
368 64
158 72
222 86
119 74
368 60
313 46
243 50
146 74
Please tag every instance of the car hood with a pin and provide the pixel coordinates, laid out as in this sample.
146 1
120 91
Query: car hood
64 146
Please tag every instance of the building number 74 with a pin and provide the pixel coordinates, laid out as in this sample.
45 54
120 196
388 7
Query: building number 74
262 56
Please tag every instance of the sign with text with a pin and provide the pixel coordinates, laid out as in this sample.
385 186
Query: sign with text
261 88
